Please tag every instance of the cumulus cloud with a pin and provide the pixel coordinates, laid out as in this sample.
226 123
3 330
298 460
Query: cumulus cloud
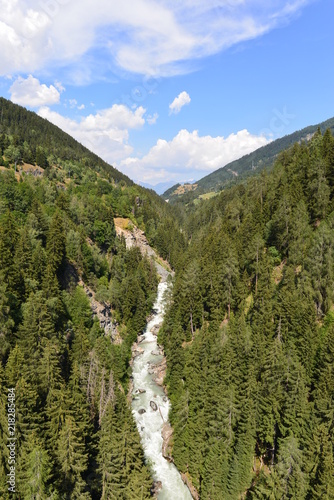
30 92
190 155
181 100
151 37
106 132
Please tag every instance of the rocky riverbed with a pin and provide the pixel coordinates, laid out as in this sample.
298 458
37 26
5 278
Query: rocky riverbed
150 407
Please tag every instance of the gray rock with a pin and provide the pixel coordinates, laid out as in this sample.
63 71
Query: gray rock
156 352
153 405
141 411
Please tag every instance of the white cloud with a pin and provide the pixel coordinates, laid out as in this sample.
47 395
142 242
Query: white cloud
30 92
73 103
152 119
106 132
59 86
181 100
151 37
190 155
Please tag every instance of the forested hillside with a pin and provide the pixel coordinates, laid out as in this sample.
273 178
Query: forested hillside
249 335
248 332
29 138
246 166
75 433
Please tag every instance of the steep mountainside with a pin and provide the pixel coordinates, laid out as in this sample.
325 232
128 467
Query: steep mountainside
249 335
73 299
37 140
247 165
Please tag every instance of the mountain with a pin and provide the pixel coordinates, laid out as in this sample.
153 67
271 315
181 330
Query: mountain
164 187
42 137
249 334
263 157
159 188
73 299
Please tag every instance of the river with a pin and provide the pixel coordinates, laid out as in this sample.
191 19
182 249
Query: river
150 422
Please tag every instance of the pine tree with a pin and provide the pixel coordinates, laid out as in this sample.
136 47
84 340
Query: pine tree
34 333
34 471
111 456
71 455
55 244
322 481
6 321
292 479
120 458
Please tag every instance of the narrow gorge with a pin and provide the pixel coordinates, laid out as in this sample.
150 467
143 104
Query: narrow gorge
150 407
150 404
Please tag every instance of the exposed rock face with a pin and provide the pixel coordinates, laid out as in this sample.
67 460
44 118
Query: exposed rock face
104 314
130 391
191 487
102 311
136 350
159 371
166 434
136 237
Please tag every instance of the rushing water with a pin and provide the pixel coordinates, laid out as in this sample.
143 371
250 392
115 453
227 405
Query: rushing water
150 423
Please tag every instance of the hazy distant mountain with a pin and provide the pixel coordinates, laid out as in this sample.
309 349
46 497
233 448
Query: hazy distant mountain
163 187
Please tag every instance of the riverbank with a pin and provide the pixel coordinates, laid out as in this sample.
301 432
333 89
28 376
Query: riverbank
150 406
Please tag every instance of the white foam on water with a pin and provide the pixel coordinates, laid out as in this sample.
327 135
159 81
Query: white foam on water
150 423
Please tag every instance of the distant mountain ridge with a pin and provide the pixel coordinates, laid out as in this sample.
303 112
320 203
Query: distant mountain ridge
261 158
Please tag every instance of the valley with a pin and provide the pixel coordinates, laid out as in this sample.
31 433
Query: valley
223 385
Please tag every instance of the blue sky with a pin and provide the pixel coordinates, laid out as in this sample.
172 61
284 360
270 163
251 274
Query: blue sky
169 91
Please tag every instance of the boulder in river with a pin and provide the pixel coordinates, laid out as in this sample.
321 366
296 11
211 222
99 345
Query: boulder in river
140 391
159 371
153 405
136 350
157 486
156 352
155 329
141 411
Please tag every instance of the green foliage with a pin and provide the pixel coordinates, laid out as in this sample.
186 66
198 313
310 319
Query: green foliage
248 332
249 355
252 163
121 459
58 255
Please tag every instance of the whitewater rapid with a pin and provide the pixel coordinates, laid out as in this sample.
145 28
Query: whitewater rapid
151 422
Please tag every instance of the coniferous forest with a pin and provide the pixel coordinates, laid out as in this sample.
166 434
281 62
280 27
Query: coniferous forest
248 334
76 436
